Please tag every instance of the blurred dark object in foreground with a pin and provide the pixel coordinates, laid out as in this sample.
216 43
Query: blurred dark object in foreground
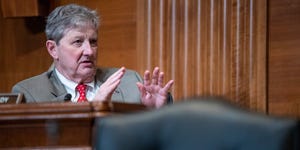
197 123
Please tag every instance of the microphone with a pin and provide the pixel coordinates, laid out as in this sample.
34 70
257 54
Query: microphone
67 97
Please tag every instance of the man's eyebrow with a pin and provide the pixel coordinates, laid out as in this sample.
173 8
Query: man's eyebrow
78 36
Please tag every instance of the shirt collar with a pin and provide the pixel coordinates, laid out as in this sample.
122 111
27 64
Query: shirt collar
71 85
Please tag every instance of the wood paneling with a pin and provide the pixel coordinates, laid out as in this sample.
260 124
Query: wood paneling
22 50
284 54
27 8
22 40
209 47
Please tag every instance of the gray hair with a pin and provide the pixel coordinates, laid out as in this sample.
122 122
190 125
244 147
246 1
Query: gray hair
66 17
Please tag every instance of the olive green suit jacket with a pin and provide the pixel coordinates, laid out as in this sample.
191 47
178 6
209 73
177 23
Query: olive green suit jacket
46 87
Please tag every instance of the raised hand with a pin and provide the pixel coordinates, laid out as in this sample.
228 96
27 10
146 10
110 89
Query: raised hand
109 86
153 91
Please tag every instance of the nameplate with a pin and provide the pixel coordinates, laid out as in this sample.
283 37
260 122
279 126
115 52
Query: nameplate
11 98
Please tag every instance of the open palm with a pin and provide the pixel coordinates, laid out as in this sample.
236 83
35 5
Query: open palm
153 91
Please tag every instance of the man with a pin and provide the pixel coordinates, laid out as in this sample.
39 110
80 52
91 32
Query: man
72 38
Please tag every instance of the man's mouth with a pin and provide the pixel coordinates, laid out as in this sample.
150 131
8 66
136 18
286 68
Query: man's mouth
87 61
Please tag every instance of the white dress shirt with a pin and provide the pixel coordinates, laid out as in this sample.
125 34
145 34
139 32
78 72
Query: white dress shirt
70 87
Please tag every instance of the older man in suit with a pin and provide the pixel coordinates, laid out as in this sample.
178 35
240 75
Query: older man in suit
72 42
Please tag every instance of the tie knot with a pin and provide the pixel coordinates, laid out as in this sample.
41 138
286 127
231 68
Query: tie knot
81 88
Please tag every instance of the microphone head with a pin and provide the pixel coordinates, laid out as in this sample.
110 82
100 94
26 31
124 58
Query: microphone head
68 97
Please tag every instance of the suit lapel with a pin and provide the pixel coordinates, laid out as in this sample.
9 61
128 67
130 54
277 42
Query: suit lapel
57 89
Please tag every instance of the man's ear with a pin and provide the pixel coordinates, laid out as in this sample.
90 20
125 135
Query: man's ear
52 48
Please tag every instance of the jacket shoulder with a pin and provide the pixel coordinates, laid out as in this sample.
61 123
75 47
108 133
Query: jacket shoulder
35 80
105 72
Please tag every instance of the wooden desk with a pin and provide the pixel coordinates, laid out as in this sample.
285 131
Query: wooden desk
54 125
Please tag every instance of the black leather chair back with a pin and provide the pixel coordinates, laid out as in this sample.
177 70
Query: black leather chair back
196 124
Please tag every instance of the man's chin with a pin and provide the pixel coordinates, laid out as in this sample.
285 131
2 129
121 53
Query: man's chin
88 69
88 73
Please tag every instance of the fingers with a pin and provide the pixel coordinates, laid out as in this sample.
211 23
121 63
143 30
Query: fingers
118 74
115 79
105 91
155 75
141 89
147 78
156 80
168 86
153 91
109 86
161 79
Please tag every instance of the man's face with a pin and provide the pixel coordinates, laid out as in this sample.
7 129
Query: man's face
76 54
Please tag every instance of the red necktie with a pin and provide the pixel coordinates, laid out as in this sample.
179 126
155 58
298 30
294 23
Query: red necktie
81 88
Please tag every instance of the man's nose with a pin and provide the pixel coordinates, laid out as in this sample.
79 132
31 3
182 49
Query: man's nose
87 48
